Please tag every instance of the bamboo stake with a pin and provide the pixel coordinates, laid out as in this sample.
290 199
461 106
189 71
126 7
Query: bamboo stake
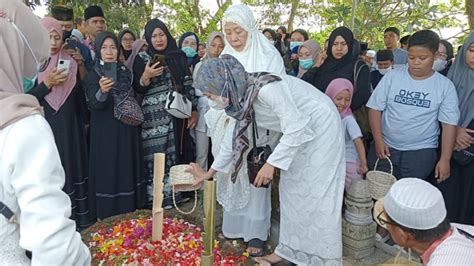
208 221
157 210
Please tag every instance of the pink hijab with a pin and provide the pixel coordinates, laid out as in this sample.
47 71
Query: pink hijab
136 46
335 87
58 94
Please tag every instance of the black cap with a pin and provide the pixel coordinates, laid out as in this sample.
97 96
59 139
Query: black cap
392 29
62 13
384 55
364 46
93 11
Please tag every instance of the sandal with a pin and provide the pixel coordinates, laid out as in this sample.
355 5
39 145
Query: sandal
255 244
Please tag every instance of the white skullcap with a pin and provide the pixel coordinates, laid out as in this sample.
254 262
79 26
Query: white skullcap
415 203
371 53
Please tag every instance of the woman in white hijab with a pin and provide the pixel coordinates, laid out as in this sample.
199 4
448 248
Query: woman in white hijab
246 43
247 209
31 175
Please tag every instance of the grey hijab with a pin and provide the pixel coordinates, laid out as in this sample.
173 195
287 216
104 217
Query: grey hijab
463 78
226 77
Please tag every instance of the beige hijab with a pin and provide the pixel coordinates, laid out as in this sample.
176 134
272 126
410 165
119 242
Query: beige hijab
17 60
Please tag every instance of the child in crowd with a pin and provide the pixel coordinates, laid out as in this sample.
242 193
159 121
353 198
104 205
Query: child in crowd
384 65
406 110
340 90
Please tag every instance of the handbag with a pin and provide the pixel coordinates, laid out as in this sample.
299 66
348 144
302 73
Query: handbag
177 104
258 156
126 108
466 156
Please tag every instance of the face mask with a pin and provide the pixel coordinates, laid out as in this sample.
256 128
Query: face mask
272 42
384 71
29 83
439 64
293 45
190 52
219 104
306 63
66 35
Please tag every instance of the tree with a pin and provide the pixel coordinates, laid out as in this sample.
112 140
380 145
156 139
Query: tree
469 6
183 16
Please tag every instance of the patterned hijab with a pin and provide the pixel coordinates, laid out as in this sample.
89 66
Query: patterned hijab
463 78
335 87
225 76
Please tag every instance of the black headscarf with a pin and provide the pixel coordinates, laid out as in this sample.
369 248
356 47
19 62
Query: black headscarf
150 26
191 61
449 49
176 60
333 68
275 39
126 54
100 39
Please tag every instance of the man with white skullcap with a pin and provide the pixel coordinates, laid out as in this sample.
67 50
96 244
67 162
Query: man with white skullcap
414 213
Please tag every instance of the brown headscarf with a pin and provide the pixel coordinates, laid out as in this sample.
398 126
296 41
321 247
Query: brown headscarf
16 21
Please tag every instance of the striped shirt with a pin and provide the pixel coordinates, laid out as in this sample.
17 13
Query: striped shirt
456 249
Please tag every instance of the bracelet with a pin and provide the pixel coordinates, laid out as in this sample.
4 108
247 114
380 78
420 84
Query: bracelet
142 83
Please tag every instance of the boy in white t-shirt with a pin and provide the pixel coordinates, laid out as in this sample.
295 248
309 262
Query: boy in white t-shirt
405 112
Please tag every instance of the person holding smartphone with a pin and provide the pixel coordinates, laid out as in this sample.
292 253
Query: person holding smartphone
115 165
60 93
162 132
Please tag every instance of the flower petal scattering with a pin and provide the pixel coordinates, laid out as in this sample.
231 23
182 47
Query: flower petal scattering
129 242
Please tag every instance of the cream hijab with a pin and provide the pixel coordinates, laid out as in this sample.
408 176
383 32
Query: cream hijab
17 59
259 55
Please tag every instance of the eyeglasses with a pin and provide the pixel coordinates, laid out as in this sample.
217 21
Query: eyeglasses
381 220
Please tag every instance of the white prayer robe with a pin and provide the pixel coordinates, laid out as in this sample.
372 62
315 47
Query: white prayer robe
31 181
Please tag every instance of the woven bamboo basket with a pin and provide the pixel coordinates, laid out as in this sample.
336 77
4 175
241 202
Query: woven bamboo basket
380 182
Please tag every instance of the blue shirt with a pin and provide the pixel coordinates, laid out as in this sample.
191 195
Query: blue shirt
412 109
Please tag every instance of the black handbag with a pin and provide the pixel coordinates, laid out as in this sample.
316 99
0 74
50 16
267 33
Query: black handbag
126 108
258 156
466 156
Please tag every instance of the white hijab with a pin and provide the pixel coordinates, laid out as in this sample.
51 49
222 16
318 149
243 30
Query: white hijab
259 54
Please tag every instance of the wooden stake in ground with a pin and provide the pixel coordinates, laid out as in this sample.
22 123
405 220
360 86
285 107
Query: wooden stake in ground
209 226
157 211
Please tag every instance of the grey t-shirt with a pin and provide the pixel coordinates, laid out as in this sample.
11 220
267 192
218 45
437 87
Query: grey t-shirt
412 109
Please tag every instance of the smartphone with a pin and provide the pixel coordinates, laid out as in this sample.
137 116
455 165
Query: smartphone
71 44
63 64
158 58
110 70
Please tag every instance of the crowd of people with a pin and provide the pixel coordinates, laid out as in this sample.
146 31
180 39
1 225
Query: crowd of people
327 112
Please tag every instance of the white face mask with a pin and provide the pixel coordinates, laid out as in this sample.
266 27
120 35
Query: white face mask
384 71
219 104
439 64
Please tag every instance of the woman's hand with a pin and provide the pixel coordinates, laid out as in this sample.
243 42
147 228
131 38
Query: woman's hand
106 84
265 175
198 173
463 138
151 71
55 77
192 122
